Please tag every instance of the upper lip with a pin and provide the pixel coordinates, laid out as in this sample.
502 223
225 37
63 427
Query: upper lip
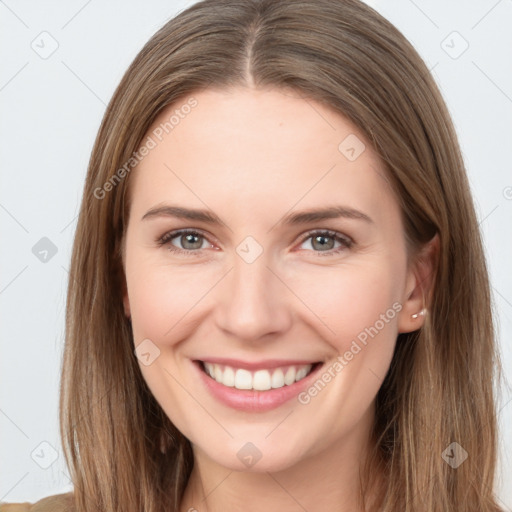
256 365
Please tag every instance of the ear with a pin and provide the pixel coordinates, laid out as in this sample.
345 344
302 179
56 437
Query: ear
419 287
126 301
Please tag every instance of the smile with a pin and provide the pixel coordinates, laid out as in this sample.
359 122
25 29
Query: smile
257 386
260 380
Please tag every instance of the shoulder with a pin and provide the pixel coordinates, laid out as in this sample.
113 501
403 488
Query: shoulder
55 503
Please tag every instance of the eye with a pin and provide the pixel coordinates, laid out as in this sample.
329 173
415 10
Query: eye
192 241
325 240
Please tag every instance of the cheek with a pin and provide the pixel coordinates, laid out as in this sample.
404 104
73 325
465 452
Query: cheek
163 299
353 302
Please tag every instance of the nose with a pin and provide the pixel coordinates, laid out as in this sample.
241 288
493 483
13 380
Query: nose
254 302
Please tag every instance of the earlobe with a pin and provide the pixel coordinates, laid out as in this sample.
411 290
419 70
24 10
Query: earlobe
413 311
420 313
419 288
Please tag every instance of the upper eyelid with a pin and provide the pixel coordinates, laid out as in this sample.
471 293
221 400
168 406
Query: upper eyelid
330 232
170 235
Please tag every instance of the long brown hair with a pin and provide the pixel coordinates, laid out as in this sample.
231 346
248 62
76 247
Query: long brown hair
122 450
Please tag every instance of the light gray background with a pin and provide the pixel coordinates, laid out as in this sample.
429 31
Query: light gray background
51 110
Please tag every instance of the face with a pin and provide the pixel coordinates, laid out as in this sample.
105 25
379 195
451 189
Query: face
294 316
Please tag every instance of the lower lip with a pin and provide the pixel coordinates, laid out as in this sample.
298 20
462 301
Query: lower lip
251 400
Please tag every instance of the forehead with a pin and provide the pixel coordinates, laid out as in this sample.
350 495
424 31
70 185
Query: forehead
249 150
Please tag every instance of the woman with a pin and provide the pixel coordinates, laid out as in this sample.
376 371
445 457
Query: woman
326 341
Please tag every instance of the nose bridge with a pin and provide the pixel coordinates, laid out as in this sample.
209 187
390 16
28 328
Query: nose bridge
254 301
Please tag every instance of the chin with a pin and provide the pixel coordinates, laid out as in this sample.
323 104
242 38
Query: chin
256 456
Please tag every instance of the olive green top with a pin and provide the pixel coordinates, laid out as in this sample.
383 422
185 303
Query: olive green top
55 503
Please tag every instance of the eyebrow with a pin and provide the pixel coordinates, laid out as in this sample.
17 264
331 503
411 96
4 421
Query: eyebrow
296 218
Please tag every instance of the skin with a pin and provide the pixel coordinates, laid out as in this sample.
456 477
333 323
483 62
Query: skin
252 156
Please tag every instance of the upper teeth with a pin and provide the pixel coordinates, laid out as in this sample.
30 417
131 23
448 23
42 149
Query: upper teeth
260 380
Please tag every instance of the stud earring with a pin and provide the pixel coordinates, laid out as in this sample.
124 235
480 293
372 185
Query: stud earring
421 313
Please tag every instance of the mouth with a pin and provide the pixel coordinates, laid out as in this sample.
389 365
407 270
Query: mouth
255 387
258 380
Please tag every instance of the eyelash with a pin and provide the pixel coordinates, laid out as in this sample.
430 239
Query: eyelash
344 240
